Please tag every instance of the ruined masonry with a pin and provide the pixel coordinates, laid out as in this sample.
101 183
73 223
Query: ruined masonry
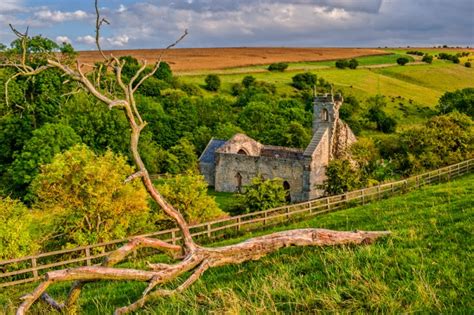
230 165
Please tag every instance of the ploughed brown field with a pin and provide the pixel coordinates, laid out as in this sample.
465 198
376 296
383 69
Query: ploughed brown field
195 59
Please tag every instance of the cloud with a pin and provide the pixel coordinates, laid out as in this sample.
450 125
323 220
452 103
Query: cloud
62 39
60 16
88 39
120 40
8 6
121 9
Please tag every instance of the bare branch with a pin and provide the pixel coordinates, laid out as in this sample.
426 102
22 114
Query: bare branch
157 64
133 176
98 25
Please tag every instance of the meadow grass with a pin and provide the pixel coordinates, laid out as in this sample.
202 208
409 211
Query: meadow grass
425 266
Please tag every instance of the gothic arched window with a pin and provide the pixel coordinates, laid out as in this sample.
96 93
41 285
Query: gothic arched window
242 151
324 114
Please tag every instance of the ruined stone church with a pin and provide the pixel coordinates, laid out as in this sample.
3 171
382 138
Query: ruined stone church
230 165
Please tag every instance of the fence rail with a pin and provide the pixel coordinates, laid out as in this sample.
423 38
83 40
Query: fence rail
31 268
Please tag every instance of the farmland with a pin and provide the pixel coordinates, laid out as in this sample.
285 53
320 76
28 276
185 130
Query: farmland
196 59
423 267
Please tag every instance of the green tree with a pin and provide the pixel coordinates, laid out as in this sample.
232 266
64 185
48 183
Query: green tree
85 200
402 61
427 58
248 81
164 72
188 194
263 194
213 82
353 63
305 80
45 143
459 100
16 238
278 67
342 64
186 157
341 177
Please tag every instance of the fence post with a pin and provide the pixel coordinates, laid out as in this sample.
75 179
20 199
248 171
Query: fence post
173 237
209 230
265 218
378 192
33 265
287 213
88 255
328 204
363 196
238 223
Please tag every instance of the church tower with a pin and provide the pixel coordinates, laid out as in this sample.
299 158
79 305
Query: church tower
326 110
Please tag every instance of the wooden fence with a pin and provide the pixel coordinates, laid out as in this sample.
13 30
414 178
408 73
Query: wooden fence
31 268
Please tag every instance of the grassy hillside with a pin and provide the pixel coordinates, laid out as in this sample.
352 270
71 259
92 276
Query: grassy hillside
413 90
425 266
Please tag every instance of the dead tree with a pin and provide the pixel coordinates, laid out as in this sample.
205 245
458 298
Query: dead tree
191 257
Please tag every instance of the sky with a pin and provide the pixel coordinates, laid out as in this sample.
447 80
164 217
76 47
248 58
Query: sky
245 23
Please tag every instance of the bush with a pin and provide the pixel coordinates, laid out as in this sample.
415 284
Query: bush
402 61
384 123
188 194
342 64
213 83
467 64
248 81
15 236
341 177
427 58
459 100
263 194
279 66
304 81
353 63
85 200
164 72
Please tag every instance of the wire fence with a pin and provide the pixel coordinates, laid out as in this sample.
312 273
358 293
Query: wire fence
31 268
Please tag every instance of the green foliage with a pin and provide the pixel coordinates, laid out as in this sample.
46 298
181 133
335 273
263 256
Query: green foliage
188 194
459 100
341 177
45 143
213 83
445 56
403 61
248 81
443 140
304 81
353 64
467 64
16 239
427 58
130 67
342 64
186 159
85 201
278 67
164 72
263 194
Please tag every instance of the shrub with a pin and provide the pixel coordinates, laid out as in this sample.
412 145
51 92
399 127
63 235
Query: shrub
278 66
427 58
341 177
305 80
263 194
188 194
402 61
213 82
459 100
247 81
164 72
236 89
384 123
85 200
353 63
15 236
342 64
467 64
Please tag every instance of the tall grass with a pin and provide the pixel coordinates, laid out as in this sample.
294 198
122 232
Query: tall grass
424 267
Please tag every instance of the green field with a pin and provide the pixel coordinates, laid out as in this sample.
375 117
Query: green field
424 267
412 90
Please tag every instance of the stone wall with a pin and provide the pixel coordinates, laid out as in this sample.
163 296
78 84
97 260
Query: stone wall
228 165
317 162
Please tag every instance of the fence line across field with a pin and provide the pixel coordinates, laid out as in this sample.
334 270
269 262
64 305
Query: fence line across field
30 268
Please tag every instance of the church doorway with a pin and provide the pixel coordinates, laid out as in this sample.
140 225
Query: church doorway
242 152
238 177
286 186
